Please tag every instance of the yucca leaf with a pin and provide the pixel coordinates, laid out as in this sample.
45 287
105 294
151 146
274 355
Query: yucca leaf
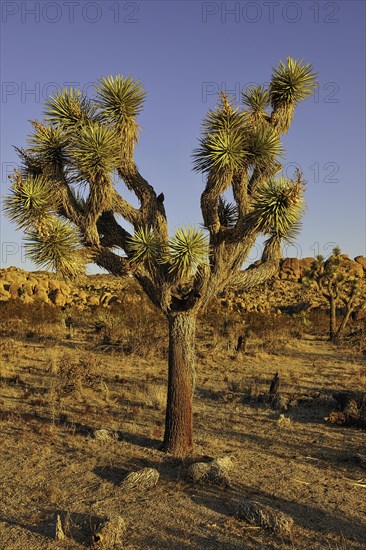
48 144
224 118
291 82
188 249
31 200
94 150
228 213
263 147
144 246
222 150
57 247
277 208
120 100
257 99
70 108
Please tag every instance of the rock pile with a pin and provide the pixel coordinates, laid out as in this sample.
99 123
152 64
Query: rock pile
105 290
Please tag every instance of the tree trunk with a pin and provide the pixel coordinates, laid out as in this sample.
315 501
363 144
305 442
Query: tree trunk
347 315
181 376
333 319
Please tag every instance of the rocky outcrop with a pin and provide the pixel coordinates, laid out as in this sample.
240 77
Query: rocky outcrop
283 293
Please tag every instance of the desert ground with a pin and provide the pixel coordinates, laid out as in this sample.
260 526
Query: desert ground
62 383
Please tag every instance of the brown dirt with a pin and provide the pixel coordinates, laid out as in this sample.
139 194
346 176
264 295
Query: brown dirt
54 395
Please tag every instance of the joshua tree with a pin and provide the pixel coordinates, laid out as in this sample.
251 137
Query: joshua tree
67 198
328 277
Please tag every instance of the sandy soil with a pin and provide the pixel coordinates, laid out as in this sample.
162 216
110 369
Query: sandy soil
54 395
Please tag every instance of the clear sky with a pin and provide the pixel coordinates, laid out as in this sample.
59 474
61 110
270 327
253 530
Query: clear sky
184 52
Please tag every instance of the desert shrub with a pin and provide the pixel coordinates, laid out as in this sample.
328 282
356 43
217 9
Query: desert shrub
71 375
131 328
36 319
355 336
319 323
156 396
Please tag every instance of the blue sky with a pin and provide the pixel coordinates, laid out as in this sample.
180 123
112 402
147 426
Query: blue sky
184 52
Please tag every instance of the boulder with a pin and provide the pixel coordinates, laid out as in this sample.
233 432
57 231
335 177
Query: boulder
41 295
362 261
65 288
15 289
290 269
56 297
93 300
41 286
352 268
305 263
54 284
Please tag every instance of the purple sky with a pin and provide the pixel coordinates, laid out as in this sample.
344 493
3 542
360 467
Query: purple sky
184 52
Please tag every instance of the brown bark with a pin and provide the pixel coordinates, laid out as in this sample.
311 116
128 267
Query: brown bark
178 439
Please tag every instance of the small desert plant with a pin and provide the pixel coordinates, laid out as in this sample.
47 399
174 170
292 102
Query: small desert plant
331 281
36 319
72 375
156 396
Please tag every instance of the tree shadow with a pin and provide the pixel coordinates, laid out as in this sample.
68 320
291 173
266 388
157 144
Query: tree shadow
61 421
169 468
305 516
77 527
140 440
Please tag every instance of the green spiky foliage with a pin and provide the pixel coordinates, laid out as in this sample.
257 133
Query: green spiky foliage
257 100
48 145
228 213
144 247
291 83
31 201
57 247
278 208
222 145
188 249
264 147
69 108
220 151
224 118
94 151
119 101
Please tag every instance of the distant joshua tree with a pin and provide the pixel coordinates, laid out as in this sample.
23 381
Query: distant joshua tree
67 198
338 288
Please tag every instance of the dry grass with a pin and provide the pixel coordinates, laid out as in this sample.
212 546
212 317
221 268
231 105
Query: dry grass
54 397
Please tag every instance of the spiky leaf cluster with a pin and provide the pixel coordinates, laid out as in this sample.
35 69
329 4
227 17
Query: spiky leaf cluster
224 118
31 200
144 247
69 108
94 150
222 144
188 249
57 247
228 213
277 208
263 146
119 99
48 144
257 99
220 151
291 82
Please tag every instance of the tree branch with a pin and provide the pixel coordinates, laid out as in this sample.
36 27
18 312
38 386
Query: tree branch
268 267
216 186
240 191
152 211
